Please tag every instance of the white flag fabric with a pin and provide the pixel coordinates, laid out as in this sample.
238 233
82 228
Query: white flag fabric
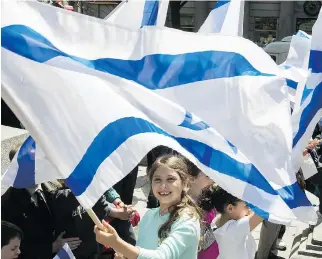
296 64
308 167
227 17
65 253
97 108
309 113
28 164
135 14
294 77
299 52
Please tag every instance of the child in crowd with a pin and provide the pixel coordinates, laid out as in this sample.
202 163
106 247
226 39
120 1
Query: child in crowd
11 237
171 231
199 180
234 226
208 247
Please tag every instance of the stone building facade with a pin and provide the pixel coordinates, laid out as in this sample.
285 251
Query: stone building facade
278 19
263 20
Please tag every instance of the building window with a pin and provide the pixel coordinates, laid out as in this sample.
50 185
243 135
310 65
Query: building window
265 30
187 22
98 8
305 24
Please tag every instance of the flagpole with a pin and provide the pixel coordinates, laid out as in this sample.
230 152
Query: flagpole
95 219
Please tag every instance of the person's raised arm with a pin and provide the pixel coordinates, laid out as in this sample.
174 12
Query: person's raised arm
254 221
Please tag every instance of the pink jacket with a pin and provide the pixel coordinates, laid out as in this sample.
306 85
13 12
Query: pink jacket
212 251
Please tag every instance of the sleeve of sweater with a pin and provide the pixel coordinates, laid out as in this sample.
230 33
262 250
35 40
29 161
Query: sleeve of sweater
183 234
111 195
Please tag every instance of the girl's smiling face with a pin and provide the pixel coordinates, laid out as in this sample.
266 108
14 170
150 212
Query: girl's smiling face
167 186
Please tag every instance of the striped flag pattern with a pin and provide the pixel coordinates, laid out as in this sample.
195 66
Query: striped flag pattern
97 109
65 253
309 110
227 17
296 65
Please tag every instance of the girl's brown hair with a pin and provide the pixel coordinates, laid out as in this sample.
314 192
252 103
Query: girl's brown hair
186 204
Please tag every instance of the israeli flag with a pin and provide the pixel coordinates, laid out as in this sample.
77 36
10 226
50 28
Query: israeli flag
96 109
295 67
227 17
65 253
299 52
29 166
135 14
309 110
294 77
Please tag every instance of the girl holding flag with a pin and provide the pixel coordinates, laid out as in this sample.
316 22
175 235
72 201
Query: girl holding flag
171 231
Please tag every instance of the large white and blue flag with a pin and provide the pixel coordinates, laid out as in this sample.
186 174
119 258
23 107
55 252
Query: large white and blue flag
227 17
296 65
97 109
65 253
135 14
309 109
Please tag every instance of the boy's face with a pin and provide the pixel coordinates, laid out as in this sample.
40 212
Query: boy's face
198 184
11 250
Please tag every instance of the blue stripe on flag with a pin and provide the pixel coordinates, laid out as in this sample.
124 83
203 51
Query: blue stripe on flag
62 254
315 64
201 125
309 112
187 123
26 164
207 154
150 13
189 67
121 130
220 3
306 92
291 83
315 61
263 214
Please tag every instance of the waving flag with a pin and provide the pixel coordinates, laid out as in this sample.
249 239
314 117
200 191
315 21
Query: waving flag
227 17
29 166
298 55
294 76
295 66
65 253
134 14
310 110
97 109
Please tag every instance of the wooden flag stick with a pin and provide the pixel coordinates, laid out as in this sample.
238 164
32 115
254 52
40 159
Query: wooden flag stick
95 219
